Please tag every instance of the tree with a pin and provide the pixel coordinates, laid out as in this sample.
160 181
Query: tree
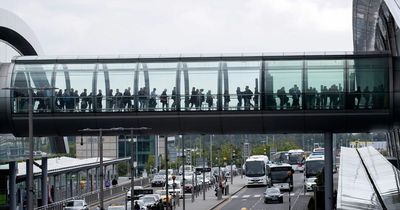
287 145
261 150
122 168
150 163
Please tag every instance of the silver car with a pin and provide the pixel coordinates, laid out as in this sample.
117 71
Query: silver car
76 205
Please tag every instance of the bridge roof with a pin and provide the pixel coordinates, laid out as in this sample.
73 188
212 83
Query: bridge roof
367 180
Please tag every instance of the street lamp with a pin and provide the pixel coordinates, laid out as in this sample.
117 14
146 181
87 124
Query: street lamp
31 143
101 130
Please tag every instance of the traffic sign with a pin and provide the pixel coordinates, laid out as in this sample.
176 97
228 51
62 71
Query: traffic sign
201 170
246 150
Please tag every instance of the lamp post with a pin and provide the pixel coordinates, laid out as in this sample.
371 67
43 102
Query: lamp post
231 164
100 146
183 172
219 163
30 187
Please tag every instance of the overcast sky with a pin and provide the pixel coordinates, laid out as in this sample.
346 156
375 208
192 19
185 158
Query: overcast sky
109 27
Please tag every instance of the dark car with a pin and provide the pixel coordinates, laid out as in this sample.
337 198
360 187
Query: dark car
273 194
158 181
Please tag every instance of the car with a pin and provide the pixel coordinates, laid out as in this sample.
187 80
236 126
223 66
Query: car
188 186
149 200
163 196
158 181
118 207
273 194
234 169
156 196
228 174
76 205
129 193
309 183
141 205
175 190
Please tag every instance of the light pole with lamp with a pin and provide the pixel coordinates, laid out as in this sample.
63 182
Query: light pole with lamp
101 165
30 187
133 170
231 163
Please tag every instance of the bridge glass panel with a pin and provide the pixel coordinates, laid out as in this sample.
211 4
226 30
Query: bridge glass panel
116 80
72 80
369 83
242 74
325 84
286 79
203 77
162 77
357 83
34 76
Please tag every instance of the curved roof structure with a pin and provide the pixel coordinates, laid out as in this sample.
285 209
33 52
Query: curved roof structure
375 24
17 34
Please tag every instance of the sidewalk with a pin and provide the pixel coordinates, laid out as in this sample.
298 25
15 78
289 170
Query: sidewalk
211 201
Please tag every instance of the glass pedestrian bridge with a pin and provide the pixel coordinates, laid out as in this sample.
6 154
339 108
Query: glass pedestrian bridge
202 85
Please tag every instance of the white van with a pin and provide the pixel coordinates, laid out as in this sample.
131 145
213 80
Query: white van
188 168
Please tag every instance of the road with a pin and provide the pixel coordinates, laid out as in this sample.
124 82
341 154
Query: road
251 198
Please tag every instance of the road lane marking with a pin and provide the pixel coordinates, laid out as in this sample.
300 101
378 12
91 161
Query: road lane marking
257 196
297 198
245 196
255 204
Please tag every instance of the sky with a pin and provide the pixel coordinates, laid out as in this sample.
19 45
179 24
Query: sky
113 27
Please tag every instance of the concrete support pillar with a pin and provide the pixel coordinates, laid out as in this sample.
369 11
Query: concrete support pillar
328 170
44 182
88 181
55 198
78 183
12 185
66 186
113 172
166 165
26 178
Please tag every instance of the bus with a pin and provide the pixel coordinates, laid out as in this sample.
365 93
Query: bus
279 176
313 165
255 169
296 159
280 157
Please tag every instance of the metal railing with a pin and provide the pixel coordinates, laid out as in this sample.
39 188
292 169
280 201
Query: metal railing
272 101
92 198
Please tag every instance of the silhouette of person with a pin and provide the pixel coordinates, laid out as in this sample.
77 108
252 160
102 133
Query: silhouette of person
239 95
366 95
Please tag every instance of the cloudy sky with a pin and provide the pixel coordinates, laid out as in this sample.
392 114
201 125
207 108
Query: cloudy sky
109 27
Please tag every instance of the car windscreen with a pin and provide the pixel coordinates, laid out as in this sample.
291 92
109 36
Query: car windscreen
280 174
272 191
313 167
295 158
75 203
147 199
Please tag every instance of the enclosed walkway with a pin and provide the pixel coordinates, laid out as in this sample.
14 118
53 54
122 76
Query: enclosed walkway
216 94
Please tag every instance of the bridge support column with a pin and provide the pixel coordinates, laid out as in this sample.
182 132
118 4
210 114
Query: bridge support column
44 182
328 170
12 185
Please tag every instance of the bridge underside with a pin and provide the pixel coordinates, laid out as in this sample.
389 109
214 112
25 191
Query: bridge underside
224 122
